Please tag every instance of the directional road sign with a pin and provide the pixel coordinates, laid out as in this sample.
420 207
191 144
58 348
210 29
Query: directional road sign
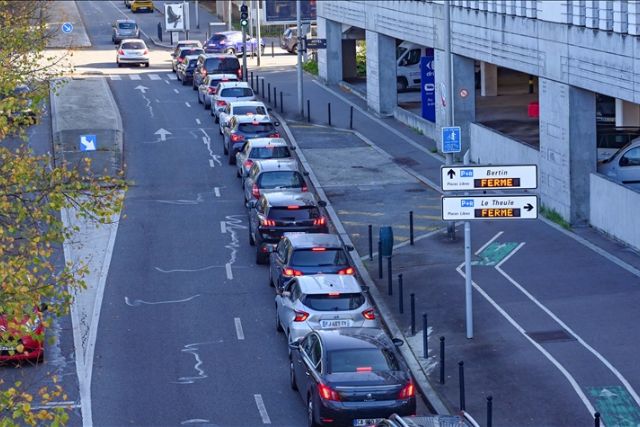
493 177
465 208
316 43
67 27
451 141
88 142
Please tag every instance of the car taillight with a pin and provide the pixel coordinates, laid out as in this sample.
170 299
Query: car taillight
266 222
222 42
121 52
236 138
304 188
369 314
318 221
348 270
255 191
145 52
220 103
327 393
407 391
204 73
301 316
290 272
274 135
239 73
247 163
181 60
211 90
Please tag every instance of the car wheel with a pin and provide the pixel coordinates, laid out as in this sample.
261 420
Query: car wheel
119 65
146 65
238 173
278 325
178 76
294 49
260 257
311 422
402 84
217 119
292 376
271 282
207 106
230 51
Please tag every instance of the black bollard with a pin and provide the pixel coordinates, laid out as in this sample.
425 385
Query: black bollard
268 92
400 294
272 55
329 112
275 98
596 418
490 412
281 103
441 360
425 337
379 259
370 227
262 90
308 111
251 79
461 377
351 117
159 31
413 313
411 227
390 277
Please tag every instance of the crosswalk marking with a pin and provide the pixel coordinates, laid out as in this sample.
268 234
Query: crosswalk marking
155 77
134 77
166 77
172 77
115 77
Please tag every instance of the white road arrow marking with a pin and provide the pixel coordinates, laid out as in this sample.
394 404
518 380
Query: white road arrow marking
163 134
606 393
141 88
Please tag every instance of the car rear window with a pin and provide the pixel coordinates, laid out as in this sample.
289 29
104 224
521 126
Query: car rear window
256 127
311 258
192 63
133 45
299 214
330 302
221 65
279 152
249 109
214 82
236 92
126 25
280 179
361 360
192 51
217 37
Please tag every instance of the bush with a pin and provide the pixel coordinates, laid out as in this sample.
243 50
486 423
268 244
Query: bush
361 58
311 66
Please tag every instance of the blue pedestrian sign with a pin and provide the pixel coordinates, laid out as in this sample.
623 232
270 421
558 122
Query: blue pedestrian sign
67 27
88 142
451 141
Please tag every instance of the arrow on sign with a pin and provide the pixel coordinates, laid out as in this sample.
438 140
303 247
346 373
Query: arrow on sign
451 173
528 207
163 134
141 88
88 144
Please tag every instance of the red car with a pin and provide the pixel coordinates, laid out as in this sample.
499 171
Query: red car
24 339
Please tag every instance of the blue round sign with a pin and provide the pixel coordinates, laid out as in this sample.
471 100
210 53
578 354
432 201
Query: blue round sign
67 27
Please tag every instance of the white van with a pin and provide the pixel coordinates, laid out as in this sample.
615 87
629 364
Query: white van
408 64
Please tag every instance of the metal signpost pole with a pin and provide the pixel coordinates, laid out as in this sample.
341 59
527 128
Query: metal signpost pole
258 31
448 95
468 289
299 66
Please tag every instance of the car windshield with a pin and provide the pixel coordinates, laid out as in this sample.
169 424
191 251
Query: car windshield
316 258
400 51
280 179
249 109
221 65
361 360
279 152
299 214
236 92
133 45
333 302
255 127
127 26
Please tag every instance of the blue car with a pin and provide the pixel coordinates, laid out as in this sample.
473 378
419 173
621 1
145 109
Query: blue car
231 42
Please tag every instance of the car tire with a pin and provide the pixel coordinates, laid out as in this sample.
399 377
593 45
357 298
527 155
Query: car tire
402 84
207 106
238 173
260 257
178 76
278 325
146 65
119 64
217 119
311 422
292 377
294 49
232 159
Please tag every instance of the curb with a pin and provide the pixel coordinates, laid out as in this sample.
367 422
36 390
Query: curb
433 400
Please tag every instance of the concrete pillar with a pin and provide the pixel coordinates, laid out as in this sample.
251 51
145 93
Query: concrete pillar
330 59
382 93
349 68
627 113
620 17
488 79
633 17
567 149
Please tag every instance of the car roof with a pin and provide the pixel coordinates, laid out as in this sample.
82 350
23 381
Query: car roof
290 198
188 41
320 284
248 104
269 165
181 48
313 240
264 142
353 338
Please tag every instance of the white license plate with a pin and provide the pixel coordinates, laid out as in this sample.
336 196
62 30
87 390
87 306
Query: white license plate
366 421
335 323
3 348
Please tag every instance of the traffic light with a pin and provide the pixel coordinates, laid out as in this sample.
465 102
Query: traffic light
244 15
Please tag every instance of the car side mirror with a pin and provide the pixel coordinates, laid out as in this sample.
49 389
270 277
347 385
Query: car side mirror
305 173
349 248
276 123
269 109
294 345
293 147
251 204
322 203
44 306
398 342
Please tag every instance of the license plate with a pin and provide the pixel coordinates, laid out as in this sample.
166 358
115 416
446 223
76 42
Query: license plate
3 348
366 421
335 324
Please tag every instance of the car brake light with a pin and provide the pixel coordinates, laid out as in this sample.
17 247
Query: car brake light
211 90
369 314
327 393
304 188
293 207
145 51
236 138
334 294
248 163
255 191
301 316
220 103
181 60
348 270
266 222
204 72
318 221
407 391
363 369
290 272
239 73
318 249
121 52
274 135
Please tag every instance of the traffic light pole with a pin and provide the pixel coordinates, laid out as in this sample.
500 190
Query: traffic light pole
244 21
299 67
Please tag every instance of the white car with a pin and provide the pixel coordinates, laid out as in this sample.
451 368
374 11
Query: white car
241 108
624 165
207 90
228 92
260 149
322 301
132 51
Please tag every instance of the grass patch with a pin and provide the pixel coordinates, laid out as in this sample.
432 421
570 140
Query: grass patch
554 216
311 66
434 150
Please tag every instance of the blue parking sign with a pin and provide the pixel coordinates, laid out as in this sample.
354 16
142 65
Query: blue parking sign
451 141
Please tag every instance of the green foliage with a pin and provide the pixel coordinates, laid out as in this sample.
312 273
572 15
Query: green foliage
311 66
361 58
553 215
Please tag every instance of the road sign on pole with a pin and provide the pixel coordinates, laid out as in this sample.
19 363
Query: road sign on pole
451 141
494 177
467 208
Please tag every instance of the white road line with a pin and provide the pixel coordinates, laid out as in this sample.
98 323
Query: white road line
239 332
167 82
176 91
134 77
187 104
593 351
115 77
262 409
227 267
197 120
223 227
172 77
211 163
489 242
216 191
154 77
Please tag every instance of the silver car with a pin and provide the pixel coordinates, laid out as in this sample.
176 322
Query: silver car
624 166
260 149
132 51
124 29
241 108
207 90
228 92
322 301
269 176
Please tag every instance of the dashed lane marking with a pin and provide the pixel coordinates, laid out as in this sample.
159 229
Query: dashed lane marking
187 104
172 77
216 191
176 90
197 120
239 331
223 227
115 77
211 164
229 271
134 77
262 409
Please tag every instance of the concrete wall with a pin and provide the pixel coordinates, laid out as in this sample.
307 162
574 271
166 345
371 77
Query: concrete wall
491 147
416 122
613 210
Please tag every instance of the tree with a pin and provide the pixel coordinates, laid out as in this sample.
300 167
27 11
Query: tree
32 194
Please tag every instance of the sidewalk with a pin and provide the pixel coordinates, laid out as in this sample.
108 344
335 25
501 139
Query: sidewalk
543 295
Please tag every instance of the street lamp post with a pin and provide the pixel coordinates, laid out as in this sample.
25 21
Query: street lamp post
299 68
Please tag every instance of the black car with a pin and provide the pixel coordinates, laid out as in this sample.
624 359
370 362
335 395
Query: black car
274 214
184 71
351 377
215 63
241 128
186 51
299 254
